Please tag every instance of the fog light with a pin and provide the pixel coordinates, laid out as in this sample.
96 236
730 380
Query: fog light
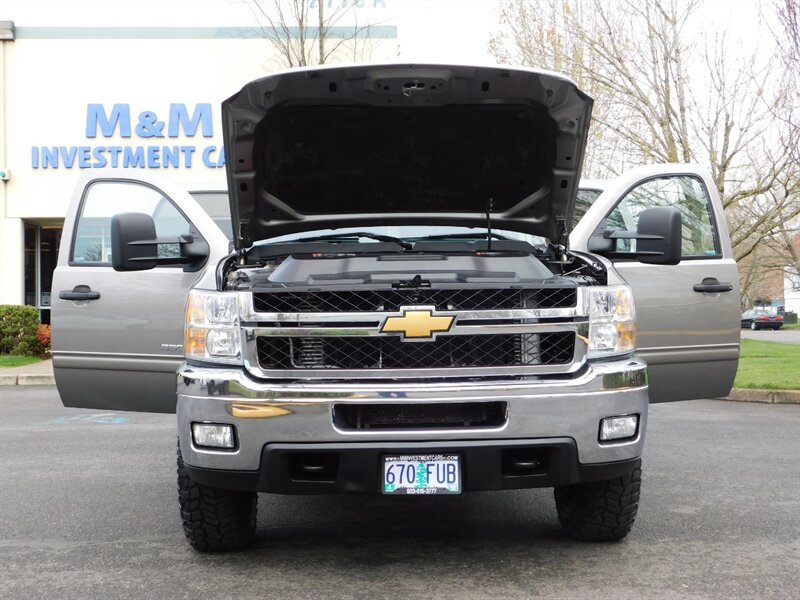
618 428
213 435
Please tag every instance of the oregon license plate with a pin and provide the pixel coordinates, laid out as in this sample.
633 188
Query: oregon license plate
422 474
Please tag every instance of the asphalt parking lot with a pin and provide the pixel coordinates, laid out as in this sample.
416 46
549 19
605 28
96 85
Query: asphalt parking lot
88 510
784 336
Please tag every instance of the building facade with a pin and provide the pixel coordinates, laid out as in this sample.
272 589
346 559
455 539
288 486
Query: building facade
94 91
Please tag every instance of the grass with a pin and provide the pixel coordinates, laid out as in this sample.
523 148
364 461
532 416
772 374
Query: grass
768 365
13 360
792 326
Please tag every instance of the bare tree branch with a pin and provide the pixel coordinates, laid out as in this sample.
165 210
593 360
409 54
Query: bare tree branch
302 31
662 95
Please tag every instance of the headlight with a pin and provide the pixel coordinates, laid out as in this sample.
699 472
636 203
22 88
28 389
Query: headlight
612 328
211 331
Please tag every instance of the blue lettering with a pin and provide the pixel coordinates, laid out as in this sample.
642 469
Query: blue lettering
149 125
99 159
68 156
96 115
209 161
152 157
133 157
179 116
114 151
84 155
34 157
187 152
451 473
207 156
50 157
170 157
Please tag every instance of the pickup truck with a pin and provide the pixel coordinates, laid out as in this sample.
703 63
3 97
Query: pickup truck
403 289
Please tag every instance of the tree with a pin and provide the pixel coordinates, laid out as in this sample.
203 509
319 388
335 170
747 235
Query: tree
306 32
788 38
665 94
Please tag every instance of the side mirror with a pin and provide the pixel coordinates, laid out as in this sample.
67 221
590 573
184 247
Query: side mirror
134 246
659 236
601 245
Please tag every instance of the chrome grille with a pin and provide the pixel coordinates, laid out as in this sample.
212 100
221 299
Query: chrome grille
459 351
392 300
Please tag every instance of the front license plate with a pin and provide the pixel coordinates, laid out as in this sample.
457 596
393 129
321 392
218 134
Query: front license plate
422 474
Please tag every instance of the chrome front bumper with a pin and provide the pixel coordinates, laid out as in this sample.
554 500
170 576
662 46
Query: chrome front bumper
279 413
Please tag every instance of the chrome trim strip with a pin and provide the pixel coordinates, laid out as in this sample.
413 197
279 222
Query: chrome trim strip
418 432
511 313
581 328
364 374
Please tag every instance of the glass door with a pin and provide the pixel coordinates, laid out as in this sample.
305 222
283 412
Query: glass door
41 255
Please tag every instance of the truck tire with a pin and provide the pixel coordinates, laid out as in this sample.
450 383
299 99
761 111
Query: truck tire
599 511
215 519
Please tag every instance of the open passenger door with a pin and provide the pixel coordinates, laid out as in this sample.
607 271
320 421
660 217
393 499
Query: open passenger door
687 315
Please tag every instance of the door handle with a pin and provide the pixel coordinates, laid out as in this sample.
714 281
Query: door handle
711 284
79 292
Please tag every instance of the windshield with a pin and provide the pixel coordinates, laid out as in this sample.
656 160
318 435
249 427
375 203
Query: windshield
413 233
218 207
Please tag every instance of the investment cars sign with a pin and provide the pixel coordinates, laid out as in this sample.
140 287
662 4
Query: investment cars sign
162 141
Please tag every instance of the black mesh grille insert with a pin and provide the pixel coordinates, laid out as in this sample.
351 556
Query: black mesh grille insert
419 416
496 350
392 300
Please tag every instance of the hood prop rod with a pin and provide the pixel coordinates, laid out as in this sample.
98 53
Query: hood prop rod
489 208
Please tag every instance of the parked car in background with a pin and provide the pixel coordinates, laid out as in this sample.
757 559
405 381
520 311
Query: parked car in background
761 318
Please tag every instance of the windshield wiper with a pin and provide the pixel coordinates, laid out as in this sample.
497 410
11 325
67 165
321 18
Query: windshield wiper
469 236
341 237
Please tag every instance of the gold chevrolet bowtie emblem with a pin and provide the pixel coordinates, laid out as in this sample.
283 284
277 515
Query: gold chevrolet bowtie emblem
417 324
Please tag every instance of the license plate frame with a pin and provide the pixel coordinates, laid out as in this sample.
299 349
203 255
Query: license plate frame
434 474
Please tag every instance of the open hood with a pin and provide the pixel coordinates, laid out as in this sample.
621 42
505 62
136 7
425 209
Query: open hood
404 144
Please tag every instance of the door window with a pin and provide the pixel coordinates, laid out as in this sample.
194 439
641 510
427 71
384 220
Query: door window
583 202
103 200
687 194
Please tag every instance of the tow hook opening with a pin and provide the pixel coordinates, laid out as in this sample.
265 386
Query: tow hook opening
520 462
313 466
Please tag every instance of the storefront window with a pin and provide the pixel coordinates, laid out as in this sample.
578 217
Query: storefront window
49 241
30 264
41 257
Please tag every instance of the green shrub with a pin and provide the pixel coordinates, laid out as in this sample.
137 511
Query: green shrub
18 325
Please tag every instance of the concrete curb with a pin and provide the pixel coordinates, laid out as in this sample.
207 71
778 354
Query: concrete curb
27 379
40 373
765 396
8 379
